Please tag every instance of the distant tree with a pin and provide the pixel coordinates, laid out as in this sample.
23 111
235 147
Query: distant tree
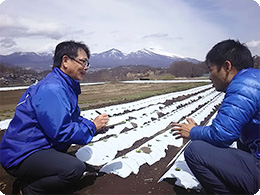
187 69
202 68
130 72
256 61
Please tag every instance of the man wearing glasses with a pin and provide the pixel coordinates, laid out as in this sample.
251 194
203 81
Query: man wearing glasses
47 121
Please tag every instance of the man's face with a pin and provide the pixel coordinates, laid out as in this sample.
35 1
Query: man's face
75 67
218 77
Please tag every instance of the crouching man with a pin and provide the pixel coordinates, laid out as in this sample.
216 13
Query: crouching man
219 168
46 122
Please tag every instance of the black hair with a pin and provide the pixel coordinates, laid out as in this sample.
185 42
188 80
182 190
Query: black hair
69 48
236 53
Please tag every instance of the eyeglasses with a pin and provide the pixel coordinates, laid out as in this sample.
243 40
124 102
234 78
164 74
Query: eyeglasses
81 62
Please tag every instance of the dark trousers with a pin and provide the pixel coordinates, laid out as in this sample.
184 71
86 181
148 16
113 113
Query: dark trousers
48 172
223 170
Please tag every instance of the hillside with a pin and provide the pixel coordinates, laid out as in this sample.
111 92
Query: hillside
13 76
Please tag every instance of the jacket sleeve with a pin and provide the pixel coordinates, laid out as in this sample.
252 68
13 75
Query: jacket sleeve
53 112
237 109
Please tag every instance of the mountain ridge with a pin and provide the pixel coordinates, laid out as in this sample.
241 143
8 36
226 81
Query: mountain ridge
107 59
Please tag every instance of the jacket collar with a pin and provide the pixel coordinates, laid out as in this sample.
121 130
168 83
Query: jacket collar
74 84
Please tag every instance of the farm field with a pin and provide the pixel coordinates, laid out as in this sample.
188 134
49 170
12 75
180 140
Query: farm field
99 95
133 156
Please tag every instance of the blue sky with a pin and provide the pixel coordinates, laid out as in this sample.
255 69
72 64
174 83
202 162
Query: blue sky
185 27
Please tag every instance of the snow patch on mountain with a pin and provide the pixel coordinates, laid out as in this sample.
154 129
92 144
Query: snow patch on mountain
164 53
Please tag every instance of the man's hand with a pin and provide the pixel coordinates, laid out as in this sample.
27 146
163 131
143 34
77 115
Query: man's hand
100 121
183 130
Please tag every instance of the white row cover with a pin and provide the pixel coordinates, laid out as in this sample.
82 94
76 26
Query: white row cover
102 151
167 81
181 171
4 124
155 146
146 114
116 109
155 100
121 141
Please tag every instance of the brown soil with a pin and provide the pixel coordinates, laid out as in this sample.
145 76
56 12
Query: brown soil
145 182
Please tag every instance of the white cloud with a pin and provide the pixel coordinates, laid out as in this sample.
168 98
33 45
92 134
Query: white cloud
185 27
253 43
7 43
22 27
254 47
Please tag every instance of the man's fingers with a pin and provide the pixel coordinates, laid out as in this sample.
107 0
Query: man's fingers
190 121
176 133
104 115
178 137
177 129
176 124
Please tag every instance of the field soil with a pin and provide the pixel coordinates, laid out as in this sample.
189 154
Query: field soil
96 96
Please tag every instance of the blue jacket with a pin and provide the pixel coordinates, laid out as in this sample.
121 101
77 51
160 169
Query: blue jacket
238 117
47 116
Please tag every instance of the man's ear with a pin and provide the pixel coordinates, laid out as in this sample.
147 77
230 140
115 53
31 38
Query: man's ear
227 66
64 62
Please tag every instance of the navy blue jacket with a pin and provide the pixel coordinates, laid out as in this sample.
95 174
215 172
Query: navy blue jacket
238 117
47 116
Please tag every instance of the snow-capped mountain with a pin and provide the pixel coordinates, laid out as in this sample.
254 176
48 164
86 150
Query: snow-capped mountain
150 57
112 54
29 60
107 59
